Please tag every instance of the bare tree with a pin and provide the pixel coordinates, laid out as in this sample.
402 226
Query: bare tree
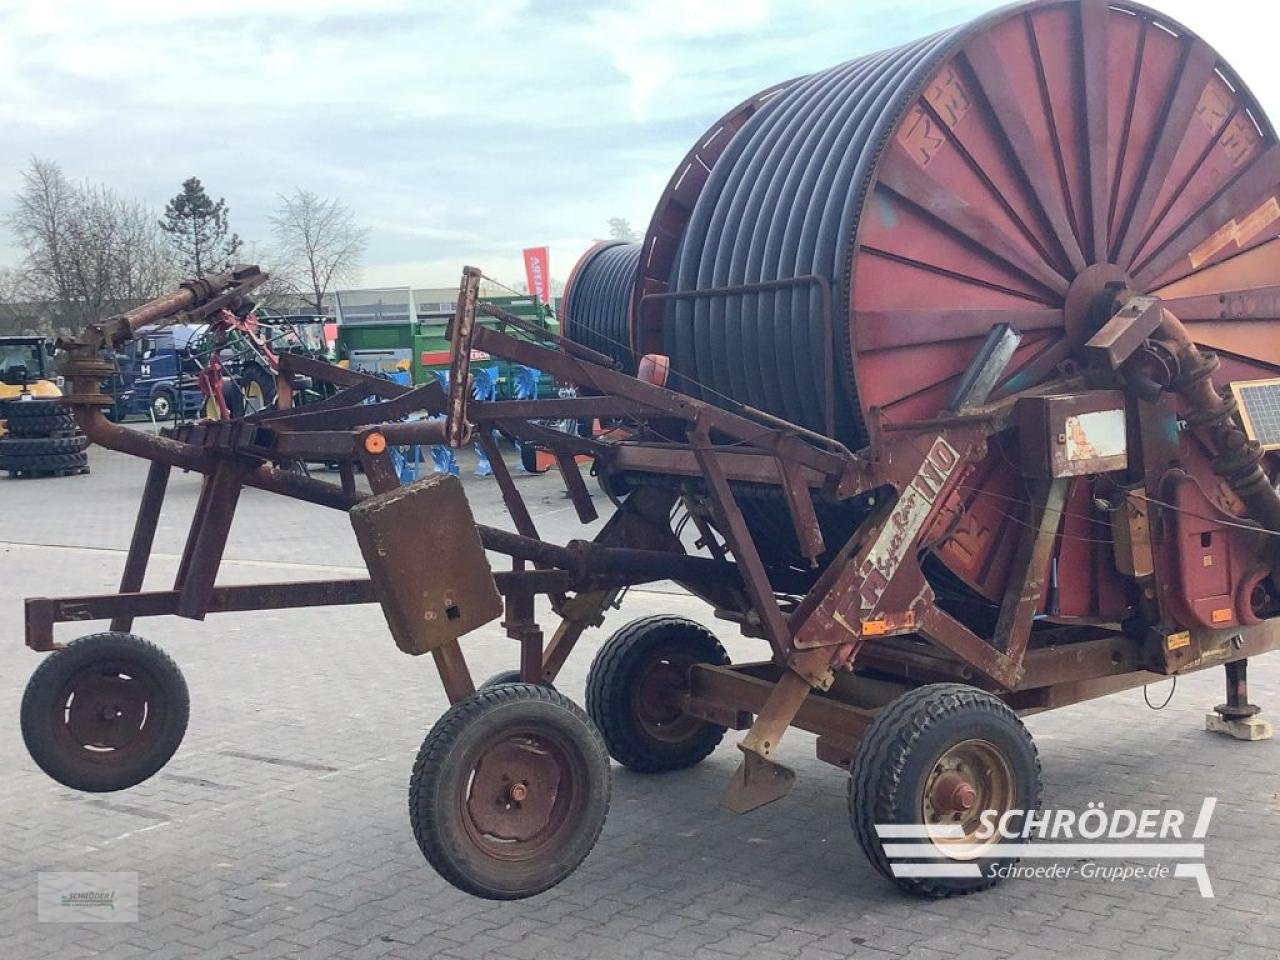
43 211
318 245
89 251
12 319
276 293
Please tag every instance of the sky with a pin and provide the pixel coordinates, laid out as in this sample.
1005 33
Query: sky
458 132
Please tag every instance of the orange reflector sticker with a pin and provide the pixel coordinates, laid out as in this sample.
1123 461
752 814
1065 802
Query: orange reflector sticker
1222 616
892 623
375 443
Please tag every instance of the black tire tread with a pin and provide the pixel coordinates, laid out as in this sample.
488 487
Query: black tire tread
607 702
32 428
880 759
28 409
442 740
44 463
42 446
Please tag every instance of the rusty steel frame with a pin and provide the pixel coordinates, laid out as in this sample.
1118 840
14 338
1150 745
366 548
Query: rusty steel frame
699 444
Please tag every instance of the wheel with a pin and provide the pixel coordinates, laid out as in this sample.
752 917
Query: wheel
507 676
258 390
42 446
635 689
939 757
233 398
26 409
45 463
58 424
105 712
501 677
163 405
529 457
509 791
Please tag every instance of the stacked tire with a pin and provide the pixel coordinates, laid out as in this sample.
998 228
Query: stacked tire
42 441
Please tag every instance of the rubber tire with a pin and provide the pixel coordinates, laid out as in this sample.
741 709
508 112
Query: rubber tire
507 676
442 766
529 457
614 675
899 750
42 446
27 409
33 428
56 669
47 463
164 393
265 383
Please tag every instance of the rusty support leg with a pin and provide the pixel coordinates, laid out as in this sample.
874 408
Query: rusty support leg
579 495
1238 717
580 612
208 538
347 475
531 655
800 505
1030 568
144 535
758 780
734 529
455 676
511 498
522 626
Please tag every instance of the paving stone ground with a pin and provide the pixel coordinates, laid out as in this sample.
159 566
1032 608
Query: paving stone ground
280 827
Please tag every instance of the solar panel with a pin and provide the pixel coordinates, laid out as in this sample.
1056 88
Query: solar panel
1260 410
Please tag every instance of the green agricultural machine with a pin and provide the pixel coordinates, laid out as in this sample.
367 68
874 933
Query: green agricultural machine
389 331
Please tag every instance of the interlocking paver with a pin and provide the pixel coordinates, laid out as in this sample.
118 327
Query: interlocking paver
280 829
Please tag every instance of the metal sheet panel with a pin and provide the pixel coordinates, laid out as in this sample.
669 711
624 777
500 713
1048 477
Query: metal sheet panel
428 567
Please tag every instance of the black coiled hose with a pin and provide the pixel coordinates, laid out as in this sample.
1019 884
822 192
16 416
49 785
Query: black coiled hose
597 298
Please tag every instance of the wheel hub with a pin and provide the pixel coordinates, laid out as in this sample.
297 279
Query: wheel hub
952 793
514 790
967 780
1084 295
659 699
106 712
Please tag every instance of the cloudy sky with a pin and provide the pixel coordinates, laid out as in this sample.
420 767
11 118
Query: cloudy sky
458 131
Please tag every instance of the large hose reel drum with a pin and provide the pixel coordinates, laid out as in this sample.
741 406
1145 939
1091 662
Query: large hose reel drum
869 224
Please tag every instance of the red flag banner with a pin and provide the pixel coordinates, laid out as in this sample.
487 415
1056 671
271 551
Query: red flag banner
537 271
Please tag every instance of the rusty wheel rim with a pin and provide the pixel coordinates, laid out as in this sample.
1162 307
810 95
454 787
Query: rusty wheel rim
657 700
967 779
523 794
108 712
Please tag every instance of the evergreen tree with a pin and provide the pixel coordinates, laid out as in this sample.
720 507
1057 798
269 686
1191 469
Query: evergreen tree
196 228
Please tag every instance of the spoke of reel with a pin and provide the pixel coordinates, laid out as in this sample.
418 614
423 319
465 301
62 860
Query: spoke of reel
984 60
1240 196
905 178
888 328
1095 17
1181 107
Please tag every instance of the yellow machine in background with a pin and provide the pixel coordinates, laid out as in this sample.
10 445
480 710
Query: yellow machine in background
25 368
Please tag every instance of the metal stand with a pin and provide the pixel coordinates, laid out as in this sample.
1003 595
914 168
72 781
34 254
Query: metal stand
1238 717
